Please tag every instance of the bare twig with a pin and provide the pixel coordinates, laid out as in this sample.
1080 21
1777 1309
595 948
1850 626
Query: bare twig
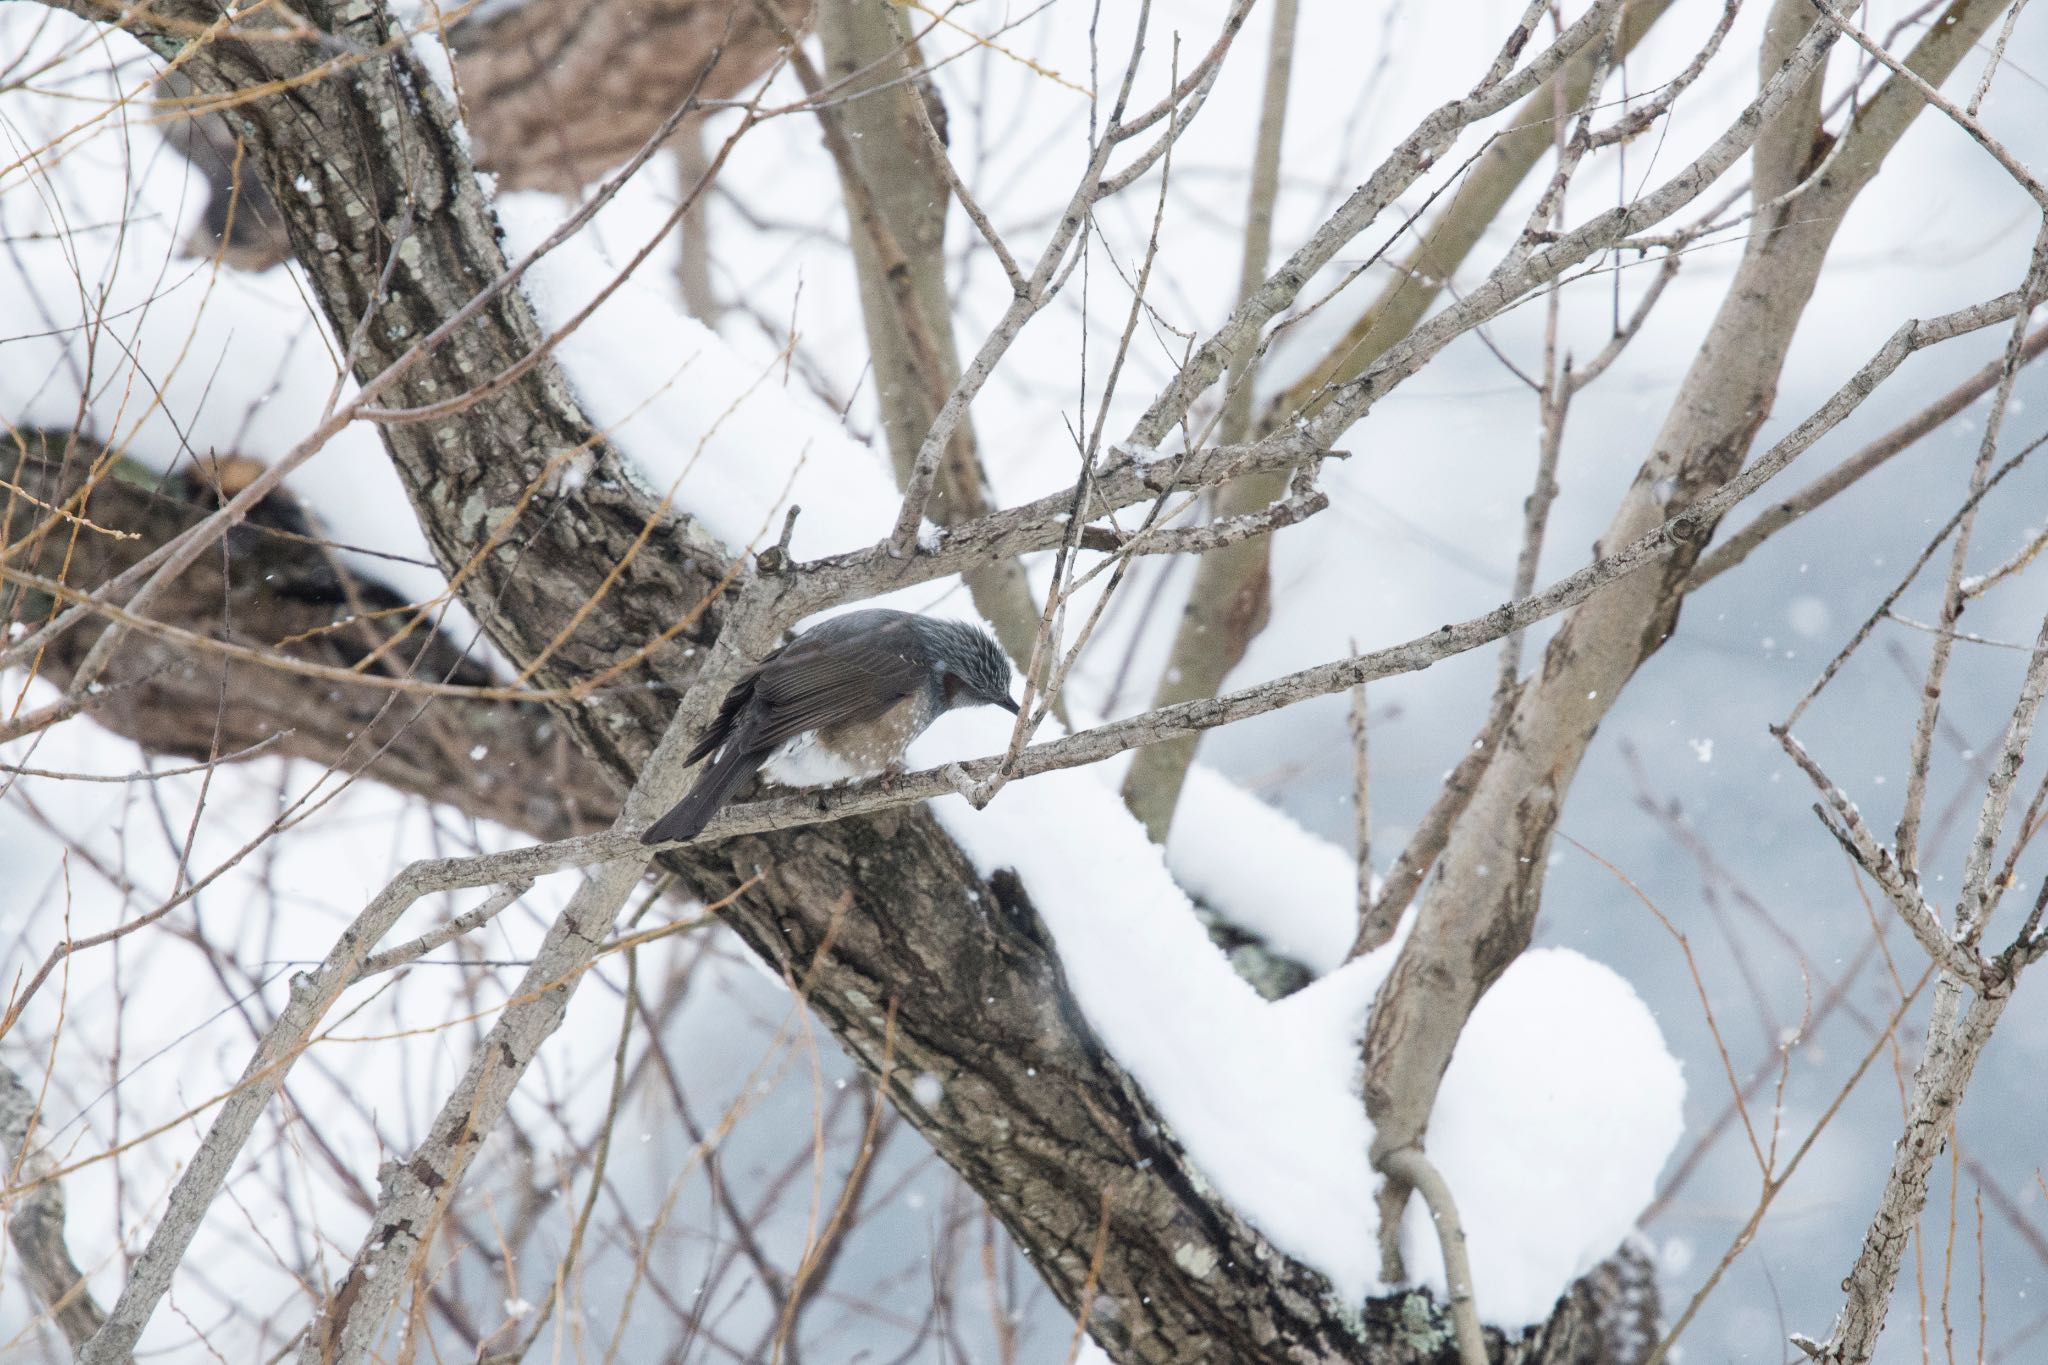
1776 517
1967 121
1907 839
1397 173
1920 918
1410 1166
1215 626
1361 810
468 920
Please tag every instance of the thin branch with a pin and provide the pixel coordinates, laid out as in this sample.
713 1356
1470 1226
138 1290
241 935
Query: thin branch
192 1197
151 774
1843 476
2014 167
35 1224
1920 918
1884 610
1134 476
1907 839
1401 169
415 949
935 149
1361 816
1981 892
2021 558
1414 1169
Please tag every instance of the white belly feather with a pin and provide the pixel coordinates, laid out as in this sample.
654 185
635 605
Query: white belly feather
866 749
803 762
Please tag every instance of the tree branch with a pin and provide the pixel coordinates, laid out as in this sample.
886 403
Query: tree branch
35 1223
280 590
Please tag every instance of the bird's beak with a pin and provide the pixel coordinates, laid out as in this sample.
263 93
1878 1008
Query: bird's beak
1005 702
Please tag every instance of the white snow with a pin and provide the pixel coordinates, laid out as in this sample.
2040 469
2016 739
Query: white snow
1559 1108
1807 615
733 441
235 360
1259 869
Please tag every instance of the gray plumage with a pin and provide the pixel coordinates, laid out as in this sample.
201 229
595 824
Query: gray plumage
859 687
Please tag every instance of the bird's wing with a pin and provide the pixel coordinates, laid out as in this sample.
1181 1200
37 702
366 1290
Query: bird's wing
833 681
720 729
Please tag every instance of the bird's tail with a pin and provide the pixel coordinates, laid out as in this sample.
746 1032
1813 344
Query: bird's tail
726 775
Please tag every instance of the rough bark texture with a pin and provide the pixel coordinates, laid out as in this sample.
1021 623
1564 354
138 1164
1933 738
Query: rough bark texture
35 1223
270 583
928 965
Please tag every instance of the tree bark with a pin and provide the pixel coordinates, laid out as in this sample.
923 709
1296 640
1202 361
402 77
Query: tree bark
553 96
35 1224
274 587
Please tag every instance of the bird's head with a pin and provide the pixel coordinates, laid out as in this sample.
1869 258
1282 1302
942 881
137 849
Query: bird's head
972 666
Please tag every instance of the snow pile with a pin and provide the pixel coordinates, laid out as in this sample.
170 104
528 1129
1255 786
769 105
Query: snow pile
1557 1113
734 439
1264 872
1560 1107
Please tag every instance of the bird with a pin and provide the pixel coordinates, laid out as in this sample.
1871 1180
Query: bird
841 701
